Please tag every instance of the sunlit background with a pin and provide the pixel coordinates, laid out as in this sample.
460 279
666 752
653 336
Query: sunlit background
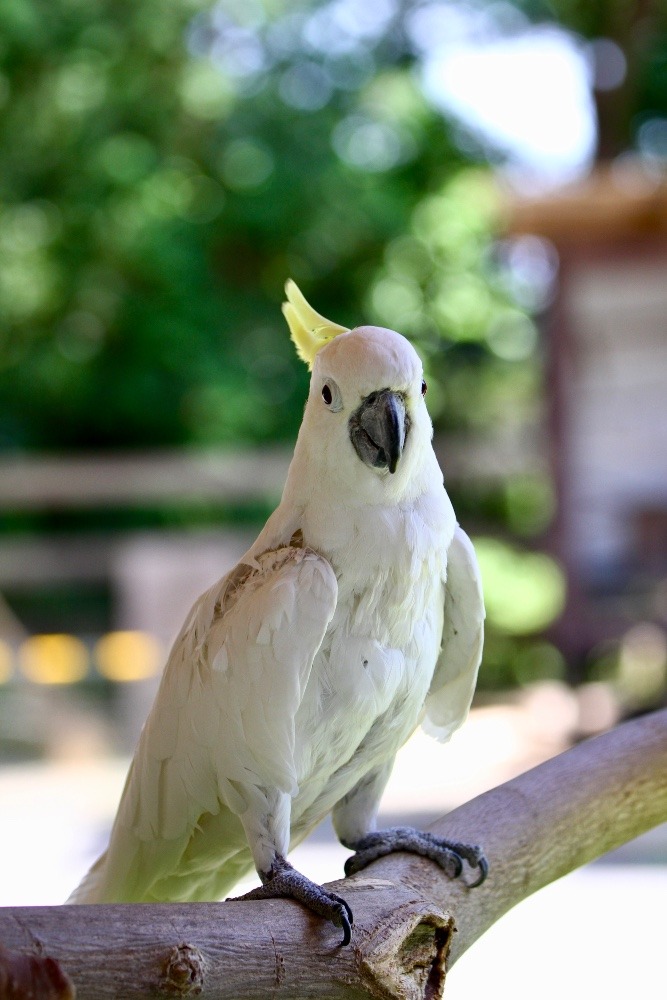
487 177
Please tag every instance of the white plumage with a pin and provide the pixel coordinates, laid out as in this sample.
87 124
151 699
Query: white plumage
356 615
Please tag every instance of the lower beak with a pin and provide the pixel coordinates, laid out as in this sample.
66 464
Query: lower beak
378 429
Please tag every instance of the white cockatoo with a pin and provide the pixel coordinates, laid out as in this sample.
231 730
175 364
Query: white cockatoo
355 616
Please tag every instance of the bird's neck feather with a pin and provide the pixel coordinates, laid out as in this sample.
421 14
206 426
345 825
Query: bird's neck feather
370 514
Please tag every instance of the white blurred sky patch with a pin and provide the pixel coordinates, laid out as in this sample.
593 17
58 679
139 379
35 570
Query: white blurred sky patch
522 90
525 91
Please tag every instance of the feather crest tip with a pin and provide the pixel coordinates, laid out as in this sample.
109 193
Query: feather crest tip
309 330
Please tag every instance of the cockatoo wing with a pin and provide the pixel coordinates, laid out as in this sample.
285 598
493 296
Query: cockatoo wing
455 674
222 725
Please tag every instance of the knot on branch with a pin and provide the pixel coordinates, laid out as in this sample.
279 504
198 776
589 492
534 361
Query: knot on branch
422 957
183 971
406 959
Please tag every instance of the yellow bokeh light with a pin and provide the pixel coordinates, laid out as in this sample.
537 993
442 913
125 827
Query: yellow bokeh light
128 656
53 659
6 662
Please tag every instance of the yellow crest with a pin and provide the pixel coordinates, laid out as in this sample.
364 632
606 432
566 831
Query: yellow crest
308 329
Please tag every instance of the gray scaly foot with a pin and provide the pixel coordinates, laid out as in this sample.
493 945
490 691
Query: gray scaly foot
449 854
284 881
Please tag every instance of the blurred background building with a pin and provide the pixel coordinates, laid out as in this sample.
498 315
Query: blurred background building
607 390
487 177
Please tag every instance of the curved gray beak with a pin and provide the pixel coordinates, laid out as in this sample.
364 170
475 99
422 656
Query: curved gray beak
378 428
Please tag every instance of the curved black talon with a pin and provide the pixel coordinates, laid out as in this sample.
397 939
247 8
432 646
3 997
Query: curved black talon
346 917
347 928
348 908
474 855
483 866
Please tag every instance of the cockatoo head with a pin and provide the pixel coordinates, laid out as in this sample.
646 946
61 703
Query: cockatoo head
365 423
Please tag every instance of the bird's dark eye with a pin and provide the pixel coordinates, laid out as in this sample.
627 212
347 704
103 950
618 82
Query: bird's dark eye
424 387
331 395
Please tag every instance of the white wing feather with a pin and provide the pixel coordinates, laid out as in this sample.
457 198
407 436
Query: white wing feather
222 725
455 676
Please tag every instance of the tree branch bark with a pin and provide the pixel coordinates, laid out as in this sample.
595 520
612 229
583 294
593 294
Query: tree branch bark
535 829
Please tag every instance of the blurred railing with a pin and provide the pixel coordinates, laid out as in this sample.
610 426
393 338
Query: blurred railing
80 481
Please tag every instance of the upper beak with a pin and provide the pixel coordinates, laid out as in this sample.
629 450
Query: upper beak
378 429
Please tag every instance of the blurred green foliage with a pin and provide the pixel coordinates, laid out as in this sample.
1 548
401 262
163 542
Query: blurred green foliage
164 166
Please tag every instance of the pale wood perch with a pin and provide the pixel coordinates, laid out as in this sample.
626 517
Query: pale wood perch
535 828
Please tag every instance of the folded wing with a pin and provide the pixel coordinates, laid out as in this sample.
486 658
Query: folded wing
455 676
222 725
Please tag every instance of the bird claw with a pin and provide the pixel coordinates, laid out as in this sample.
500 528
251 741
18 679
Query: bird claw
483 866
285 882
449 855
345 917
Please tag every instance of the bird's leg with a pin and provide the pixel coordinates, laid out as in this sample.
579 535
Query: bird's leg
448 854
354 819
284 881
267 827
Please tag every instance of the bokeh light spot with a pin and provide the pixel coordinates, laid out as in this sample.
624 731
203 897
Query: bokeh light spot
305 86
53 659
245 163
367 144
128 656
205 92
524 591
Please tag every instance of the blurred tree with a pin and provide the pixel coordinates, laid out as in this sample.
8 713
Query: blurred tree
165 166
161 173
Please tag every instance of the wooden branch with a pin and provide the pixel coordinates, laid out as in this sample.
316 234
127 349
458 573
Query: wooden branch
535 828
553 819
